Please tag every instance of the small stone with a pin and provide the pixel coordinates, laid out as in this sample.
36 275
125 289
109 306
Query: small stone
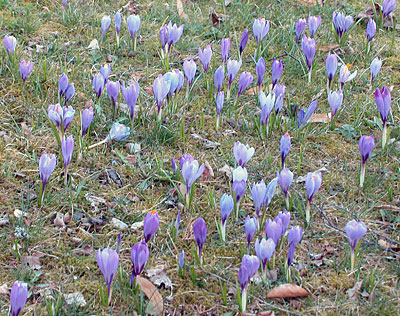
137 225
119 224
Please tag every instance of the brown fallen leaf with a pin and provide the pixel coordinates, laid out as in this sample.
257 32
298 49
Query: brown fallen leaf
85 251
4 290
368 12
320 118
59 220
252 91
156 300
215 19
208 171
32 261
149 90
353 292
287 290
181 13
327 48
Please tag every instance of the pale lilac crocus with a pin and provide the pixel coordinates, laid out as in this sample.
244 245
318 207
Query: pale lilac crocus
249 267
174 33
62 84
285 145
294 236
220 103
258 191
150 225
172 79
10 42
47 163
388 7
276 71
239 178
108 261
131 94
105 24
160 90
346 75
366 145
113 89
250 228
300 28
269 194
341 23
313 24
191 171
309 47
219 77
118 132
69 93
313 184
243 41
205 57
98 84
226 207
273 229
61 116
64 3
117 22
264 250
189 67
200 235
355 232
267 105
245 80
279 94
371 29
139 257
285 219
303 117
225 48
331 67
25 69
133 22
86 120
335 99
260 70
242 153
105 71
232 67
375 67
67 148
18 297
260 29
383 101
285 178
181 260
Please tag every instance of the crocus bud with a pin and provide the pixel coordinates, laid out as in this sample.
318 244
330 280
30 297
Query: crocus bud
25 68
108 261
181 261
150 225
232 67
285 145
174 33
219 77
335 99
279 94
250 228
276 71
69 93
118 132
273 229
294 236
366 144
285 219
252 264
177 223
133 22
264 251
47 163
173 165
285 179
260 69
226 207
355 231
242 153
383 101
105 24
160 90
371 29
18 297
200 234
300 28
245 80
172 79
258 191
113 92
98 84
345 75
331 67
243 41
375 67
225 48
62 84
191 171
117 21
67 147
139 257
181 79
260 29
105 71
67 116
313 24
189 67
388 7
302 119
243 277
163 36
86 120
220 101
10 42
313 184
341 23
309 47
205 57
131 95
267 105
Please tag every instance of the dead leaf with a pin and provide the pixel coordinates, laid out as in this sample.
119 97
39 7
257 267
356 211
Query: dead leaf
320 118
156 300
206 142
327 48
384 244
158 277
181 13
85 251
149 90
94 44
59 220
208 171
4 290
310 3
227 170
252 91
353 292
75 298
272 275
215 19
136 76
32 261
287 290
368 12
131 159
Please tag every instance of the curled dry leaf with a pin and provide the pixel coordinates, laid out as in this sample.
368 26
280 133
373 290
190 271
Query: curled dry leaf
156 305
76 298
4 290
32 261
208 171
181 13
287 290
94 44
320 118
354 291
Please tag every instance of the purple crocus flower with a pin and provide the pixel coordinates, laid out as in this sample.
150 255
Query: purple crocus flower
279 93
160 90
302 117
108 261
273 229
300 28
133 22
285 178
64 3
335 99
131 94
10 42
260 69
375 67
313 24
239 178
185 158
226 206
174 33
117 22
313 184
245 80
47 163
250 228
309 47
285 219
260 29
113 92
86 120
173 165
18 297
25 69
189 67
294 236
232 67
366 144
258 191
181 80
69 93
219 77
67 147
252 264
269 194
200 235
341 23
225 48
172 79
181 260
220 102
177 223
242 153
285 145
205 57
105 71
105 24
150 225
139 257
345 75
267 105
243 278
60 115
163 35
383 101
371 29
243 41
264 250
118 132
388 7
331 67
62 84
191 171
276 71
355 231
98 84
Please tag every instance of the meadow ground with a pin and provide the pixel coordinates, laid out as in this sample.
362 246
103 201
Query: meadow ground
56 243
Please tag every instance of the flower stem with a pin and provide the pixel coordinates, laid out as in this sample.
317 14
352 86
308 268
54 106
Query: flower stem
105 140
362 175
384 136
308 212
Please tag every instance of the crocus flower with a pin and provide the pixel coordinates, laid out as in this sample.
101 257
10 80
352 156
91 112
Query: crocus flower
250 228
300 28
313 184
335 99
383 100
285 178
239 178
174 33
250 265
62 84
294 236
285 145
181 79
118 132
276 71
345 75
69 93
86 120
172 79
366 144
269 194
189 67
105 71
131 95
260 69
355 231
133 22
308 46
331 67
139 257
117 22
18 297
226 206
67 147
64 4
219 77
258 191
313 24
285 219
10 42
388 7
47 163
108 261
264 250
267 105
242 153
260 29
160 90
25 69
243 41
98 84
150 225
105 24
177 223
279 93
163 36
113 92
371 29
273 229
200 235
302 117
375 67
185 158
205 57
341 23
225 48
232 67
245 80
181 260
191 171
220 102
61 116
